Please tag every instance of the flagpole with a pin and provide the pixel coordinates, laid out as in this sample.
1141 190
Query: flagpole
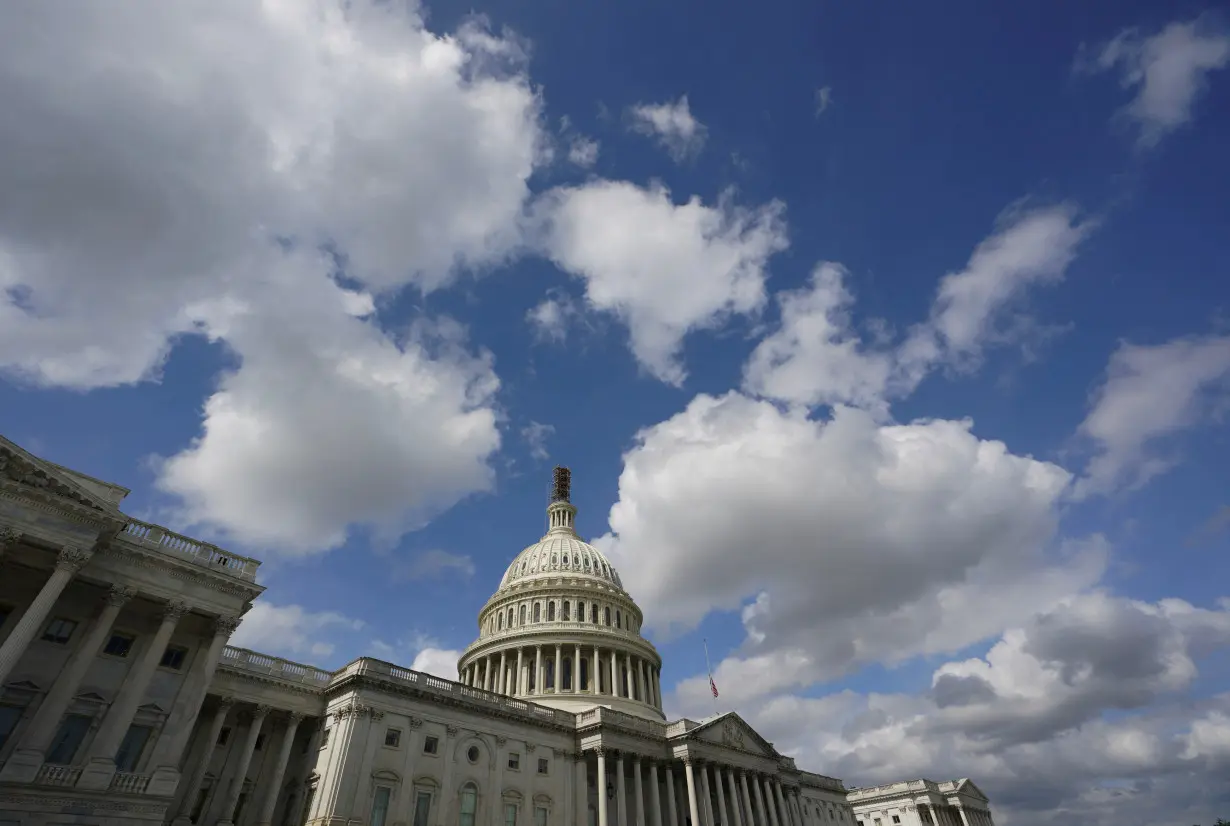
709 669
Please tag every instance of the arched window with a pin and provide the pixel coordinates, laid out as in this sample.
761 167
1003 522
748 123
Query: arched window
510 617
551 611
593 613
618 621
566 612
567 673
469 804
548 679
585 686
522 615
537 612
501 620
607 612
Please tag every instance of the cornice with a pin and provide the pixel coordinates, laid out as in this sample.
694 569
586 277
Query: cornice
578 632
58 505
134 554
315 692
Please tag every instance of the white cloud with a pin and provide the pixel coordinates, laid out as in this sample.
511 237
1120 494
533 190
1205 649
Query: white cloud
582 151
552 316
185 189
824 97
818 356
1150 393
535 435
438 662
1167 70
424 653
291 631
897 540
664 269
435 564
672 124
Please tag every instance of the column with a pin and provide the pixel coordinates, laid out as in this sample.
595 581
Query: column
640 672
24 763
614 674
488 673
168 752
781 804
719 792
581 795
602 817
101 766
964 819
621 792
672 811
628 676
735 806
576 671
706 799
747 799
796 808
501 683
241 769
761 814
68 563
188 800
655 796
690 774
595 666
640 791
279 770
538 669
520 671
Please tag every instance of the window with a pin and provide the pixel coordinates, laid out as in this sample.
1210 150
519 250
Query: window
544 765
4 614
522 616
514 761
201 797
501 626
607 612
260 742
129 755
537 612
430 745
225 735
618 621
550 612
119 645
392 738
59 630
540 816
68 739
510 617
472 754
9 717
422 808
593 614
174 657
469 805
896 818
510 814
380 806
566 613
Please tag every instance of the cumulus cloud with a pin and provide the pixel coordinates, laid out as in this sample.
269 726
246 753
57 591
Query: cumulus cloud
535 435
897 540
672 125
817 355
1166 70
439 662
291 631
664 269
1150 392
423 652
187 190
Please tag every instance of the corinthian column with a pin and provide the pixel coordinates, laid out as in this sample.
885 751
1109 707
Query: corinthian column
747 799
24 763
639 790
672 810
720 792
241 770
279 769
693 809
655 797
101 767
68 563
602 816
188 800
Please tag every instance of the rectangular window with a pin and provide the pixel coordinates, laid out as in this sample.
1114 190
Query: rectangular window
59 630
514 761
510 814
543 765
540 816
201 797
896 818
430 745
223 736
9 717
380 806
129 755
119 645
324 737
174 657
260 742
469 806
422 808
392 738
68 739
4 614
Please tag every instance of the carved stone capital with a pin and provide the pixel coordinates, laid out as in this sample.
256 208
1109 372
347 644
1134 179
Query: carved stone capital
120 594
500 741
72 558
415 722
174 610
295 717
226 701
601 751
225 625
530 747
260 711
8 538
452 731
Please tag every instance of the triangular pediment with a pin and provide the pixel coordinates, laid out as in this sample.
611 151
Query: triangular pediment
966 786
22 685
91 697
731 731
37 477
152 708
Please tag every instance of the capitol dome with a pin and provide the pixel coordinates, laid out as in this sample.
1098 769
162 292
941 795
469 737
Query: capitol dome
561 630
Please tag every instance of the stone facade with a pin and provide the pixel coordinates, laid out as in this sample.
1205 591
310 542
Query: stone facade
122 702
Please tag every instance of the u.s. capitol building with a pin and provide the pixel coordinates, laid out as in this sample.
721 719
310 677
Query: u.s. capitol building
124 704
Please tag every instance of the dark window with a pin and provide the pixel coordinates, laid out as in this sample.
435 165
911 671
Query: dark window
618 620
324 737
223 736
607 613
593 614
422 808
896 818
9 717
472 754
392 737
543 765
260 742
537 612
68 739
521 623
514 761
4 613
200 802
174 657
550 612
129 755
566 616
59 630
430 745
119 645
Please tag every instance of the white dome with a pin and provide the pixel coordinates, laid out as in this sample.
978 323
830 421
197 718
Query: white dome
561 551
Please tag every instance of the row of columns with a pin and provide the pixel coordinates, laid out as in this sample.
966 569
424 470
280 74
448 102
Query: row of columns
272 786
941 815
618 673
598 614
712 794
23 765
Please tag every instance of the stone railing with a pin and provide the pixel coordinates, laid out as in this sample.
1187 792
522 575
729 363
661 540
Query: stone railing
202 553
680 727
536 628
892 788
605 716
822 781
129 783
50 774
447 688
241 659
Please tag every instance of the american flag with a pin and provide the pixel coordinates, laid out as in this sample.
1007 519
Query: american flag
713 686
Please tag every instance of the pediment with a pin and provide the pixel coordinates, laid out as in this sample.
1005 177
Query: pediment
966 786
92 697
22 685
732 731
39 478
152 708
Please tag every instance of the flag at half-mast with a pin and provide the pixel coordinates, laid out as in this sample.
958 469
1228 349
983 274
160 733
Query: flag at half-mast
709 668
713 687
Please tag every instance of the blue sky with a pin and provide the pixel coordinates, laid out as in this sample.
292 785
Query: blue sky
889 349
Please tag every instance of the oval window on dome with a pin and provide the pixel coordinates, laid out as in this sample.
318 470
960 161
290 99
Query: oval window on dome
576 561
554 559
587 563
